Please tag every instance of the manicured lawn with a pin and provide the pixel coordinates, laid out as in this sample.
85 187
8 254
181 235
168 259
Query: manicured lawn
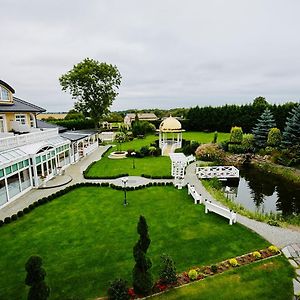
154 166
205 137
271 279
86 237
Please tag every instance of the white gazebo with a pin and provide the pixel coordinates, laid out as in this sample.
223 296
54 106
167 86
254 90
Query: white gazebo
170 135
179 163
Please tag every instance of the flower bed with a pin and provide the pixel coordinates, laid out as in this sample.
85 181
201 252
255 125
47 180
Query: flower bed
200 273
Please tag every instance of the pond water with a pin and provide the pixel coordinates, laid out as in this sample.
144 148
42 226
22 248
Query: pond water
265 193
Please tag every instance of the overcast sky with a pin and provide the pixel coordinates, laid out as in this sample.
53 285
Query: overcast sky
170 53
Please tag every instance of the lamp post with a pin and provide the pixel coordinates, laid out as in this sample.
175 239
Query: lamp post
133 156
125 180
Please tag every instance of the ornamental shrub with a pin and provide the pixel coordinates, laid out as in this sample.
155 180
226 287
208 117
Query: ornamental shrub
118 290
7 220
215 137
210 152
14 217
167 273
273 249
236 135
256 255
214 268
233 262
193 274
274 137
1 223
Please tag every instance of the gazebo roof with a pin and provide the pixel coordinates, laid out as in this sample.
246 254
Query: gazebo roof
170 124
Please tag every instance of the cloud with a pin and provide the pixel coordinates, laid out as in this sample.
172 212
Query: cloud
169 53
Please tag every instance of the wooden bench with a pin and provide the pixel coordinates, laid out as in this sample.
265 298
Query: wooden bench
196 196
226 213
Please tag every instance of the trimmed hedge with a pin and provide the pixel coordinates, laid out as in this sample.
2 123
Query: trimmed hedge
53 196
157 177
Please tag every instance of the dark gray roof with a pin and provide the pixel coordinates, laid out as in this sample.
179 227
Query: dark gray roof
77 135
20 105
43 124
7 86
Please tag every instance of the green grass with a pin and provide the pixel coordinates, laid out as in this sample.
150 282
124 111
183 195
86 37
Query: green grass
270 279
154 166
205 137
86 238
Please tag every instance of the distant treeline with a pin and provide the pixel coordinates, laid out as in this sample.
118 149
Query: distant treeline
222 118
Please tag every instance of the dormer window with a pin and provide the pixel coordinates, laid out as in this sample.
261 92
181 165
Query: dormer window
4 94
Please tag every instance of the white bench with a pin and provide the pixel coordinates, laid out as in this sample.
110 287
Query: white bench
226 213
196 196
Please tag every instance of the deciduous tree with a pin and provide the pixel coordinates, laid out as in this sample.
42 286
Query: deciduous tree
94 85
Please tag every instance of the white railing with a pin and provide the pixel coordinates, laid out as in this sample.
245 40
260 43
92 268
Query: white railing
196 196
191 158
28 138
90 149
218 171
174 147
224 212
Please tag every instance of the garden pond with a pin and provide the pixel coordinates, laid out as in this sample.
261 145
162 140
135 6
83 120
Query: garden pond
263 192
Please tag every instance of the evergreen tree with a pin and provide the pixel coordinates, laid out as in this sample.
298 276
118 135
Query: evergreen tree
142 277
291 134
262 128
35 279
274 137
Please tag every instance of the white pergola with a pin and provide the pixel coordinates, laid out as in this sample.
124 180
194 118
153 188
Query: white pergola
179 163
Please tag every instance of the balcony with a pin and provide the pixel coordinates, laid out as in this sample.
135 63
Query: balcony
8 142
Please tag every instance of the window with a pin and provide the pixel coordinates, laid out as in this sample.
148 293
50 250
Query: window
4 94
21 119
2 124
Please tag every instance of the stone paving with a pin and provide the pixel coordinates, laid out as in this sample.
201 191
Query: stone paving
292 253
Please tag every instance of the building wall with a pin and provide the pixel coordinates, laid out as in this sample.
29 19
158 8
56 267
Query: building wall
12 117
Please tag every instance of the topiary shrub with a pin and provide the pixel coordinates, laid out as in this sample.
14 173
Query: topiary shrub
236 135
26 210
20 213
256 255
193 274
14 217
7 220
1 223
118 290
233 262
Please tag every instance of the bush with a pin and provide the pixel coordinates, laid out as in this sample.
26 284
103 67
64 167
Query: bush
20 213
248 142
210 152
190 148
236 135
214 268
193 274
274 137
256 255
14 217
118 290
7 220
26 210
236 148
75 124
215 137
273 249
167 272
1 223
215 183
233 262
144 151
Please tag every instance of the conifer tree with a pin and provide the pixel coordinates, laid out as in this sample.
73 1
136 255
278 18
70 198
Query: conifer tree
262 128
291 133
35 279
142 277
